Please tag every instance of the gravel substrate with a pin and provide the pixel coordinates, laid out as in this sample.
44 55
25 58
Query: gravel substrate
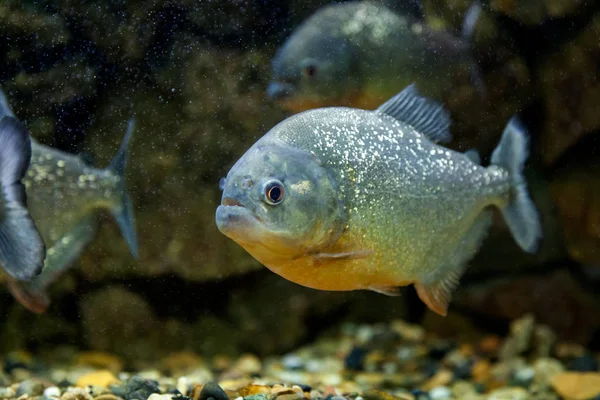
363 362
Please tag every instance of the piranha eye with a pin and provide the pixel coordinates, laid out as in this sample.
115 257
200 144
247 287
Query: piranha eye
274 192
310 70
222 183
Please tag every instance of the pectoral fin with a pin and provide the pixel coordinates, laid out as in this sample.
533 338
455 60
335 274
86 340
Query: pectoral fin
437 295
351 255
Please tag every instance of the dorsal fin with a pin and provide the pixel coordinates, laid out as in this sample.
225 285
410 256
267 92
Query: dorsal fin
427 116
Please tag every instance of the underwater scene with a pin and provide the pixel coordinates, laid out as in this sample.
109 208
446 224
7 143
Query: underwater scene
300 200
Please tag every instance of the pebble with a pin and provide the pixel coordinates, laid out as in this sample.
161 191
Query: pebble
101 360
52 392
545 369
7 392
440 393
584 363
577 385
509 394
156 396
213 391
292 362
102 378
30 387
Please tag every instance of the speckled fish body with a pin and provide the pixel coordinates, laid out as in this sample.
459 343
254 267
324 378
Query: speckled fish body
361 53
373 202
64 195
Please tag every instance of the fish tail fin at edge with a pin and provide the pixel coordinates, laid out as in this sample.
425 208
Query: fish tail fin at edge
123 211
520 213
468 30
22 250
30 296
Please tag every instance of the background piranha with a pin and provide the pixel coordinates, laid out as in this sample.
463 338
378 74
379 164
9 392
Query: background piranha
344 199
64 194
361 53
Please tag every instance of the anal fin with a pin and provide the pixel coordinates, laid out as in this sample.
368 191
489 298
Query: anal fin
59 257
387 290
437 295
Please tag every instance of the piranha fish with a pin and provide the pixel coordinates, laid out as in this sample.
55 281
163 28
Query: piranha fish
64 195
22 249
343 199
360 53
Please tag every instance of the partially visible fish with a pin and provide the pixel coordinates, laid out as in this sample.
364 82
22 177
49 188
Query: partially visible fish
361 53
344 199
22 250
64 194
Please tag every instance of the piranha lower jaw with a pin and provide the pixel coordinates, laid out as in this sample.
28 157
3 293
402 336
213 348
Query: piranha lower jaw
249 231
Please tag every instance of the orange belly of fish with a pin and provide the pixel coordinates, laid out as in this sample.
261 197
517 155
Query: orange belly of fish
336 275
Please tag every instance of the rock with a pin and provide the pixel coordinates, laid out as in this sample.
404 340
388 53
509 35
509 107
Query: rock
76 394
521 331
440 393
545 369
7 393
442 378
156 396
577 385
136 388
181 363
569 96
30 387
555 298
51 392
212 391
509 394
101 360
584 363
102 378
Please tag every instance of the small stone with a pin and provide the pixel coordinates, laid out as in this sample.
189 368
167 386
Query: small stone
259 396
181 362
30 387
584 363
481 371
52 392
100 359
6 393
509 394
292 361
214 391
410 332
136 388
545 369
251 390
355 360
524 376
519 340
102 378
577 385
156 396
440 393
442 378
248 364
76 394
544 339
490 344
107 397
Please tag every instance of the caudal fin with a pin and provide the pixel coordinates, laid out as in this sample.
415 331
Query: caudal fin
22 249
520 214
468 30
123 211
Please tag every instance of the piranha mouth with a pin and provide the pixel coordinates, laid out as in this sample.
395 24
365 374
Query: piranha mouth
237 221
229 202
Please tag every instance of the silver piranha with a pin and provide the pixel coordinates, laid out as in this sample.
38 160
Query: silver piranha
361 53
64 194
22 250
344 199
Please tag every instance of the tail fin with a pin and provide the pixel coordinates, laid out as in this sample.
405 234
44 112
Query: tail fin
123 212
468 29
22 249
520 214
